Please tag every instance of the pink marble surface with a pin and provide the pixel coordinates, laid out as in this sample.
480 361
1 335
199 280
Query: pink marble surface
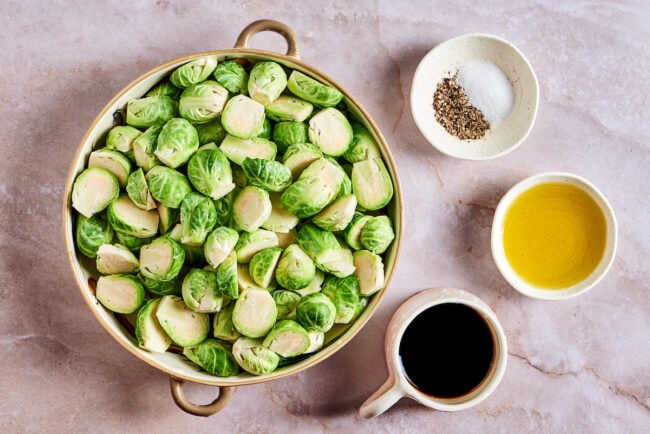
580 365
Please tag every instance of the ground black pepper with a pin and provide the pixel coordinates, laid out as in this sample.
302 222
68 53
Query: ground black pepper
455 113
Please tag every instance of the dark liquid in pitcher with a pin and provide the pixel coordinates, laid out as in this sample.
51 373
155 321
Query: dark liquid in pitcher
447 350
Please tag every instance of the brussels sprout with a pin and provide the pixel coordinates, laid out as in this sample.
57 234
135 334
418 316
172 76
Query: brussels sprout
266 82
120 293
325 250
202 102
288 108
369 269
316 187
222 326
371 183
286 302
132 242
223 207
161 259
183 325
287 338
198 218
314 285
163 287
299 156
227 276
238 149
232 76
286 134
339 261
352 232
177 141
244 280
168 186
125 216
138 190
253 357
344 293
316 340
148 332
337 215
251 208
166 88
267 130
330 130
219 244
243 117
295 270
90 233
262 266
121 137
377 234
254 313
93 190
199 291
145 145
280 219
270 175
316 312
214 357
211 132
150 110
363 145
193 72
285 239
167 217
116 259
313 91
113 161
250 243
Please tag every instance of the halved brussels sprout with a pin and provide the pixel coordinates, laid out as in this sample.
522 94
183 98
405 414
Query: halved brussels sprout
371 183
377 234
262 266
270 175
198 218
199 290
330 130
210 132
299 156
150 110
295 269
148 332
285 239
163 287
168 186
244 280
287 338
337 215
219 244
214 357
93 190
266 82
167 217
338 262
120 293
267 129
316 312
237 149
316 187
288 108
286 302
232 76
125 216
113 161
243 117
254 313
116 259
121 137
132 242
166 88
193 72
314 285
183 325
363 146
222 326
202 102
145 145
209 172
369 269
313 91
250 243
253 357
316 340
162 259
344 293
177 141
90 233
227 276
286 134
280 219
352 232
251 208
138 190
325 250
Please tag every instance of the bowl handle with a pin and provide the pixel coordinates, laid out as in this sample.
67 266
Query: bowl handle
274 26
196 409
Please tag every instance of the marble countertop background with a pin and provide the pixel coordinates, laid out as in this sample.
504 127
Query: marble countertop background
580 365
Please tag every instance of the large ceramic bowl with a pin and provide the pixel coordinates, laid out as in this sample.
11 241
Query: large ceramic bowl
84 271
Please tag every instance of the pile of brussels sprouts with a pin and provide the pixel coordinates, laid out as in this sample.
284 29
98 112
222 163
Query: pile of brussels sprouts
238 212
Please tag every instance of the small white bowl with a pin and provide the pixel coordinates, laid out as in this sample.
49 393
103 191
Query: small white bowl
443 61
511 275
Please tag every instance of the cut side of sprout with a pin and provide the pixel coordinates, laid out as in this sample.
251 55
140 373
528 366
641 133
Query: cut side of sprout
148 332
330 130
93 190
125 216
121 293
113 161
243 117
237 149
371 183
287 338
116 259
254 313
184 326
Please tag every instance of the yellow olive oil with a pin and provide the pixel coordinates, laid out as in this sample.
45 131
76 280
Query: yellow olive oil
554 235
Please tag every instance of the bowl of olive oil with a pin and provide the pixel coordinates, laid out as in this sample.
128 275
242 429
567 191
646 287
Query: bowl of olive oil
554 236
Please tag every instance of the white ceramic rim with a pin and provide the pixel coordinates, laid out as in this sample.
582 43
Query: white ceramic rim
507 271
